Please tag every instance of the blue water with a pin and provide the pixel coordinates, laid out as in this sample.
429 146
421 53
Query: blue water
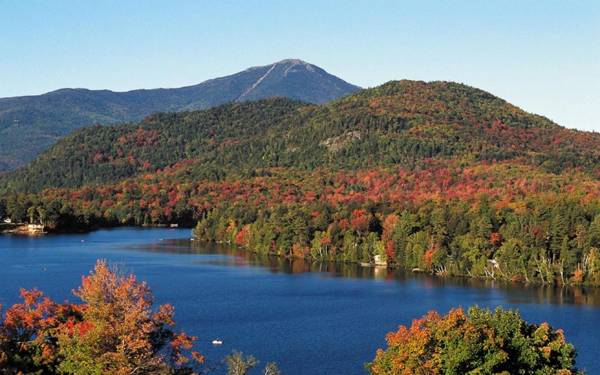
310 319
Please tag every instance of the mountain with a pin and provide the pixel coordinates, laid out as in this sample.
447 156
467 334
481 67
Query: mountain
434 177
400 122
29 124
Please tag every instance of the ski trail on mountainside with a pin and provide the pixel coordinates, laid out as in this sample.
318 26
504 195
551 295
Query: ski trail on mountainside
257 82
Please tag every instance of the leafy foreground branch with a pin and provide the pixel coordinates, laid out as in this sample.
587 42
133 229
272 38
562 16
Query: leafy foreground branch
115 330
478 342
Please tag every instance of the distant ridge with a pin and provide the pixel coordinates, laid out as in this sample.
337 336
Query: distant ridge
29 124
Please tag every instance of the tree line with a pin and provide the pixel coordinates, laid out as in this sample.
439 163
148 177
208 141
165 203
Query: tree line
551 244
491 220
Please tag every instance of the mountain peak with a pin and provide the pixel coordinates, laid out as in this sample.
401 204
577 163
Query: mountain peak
292 78
291 61
284 62
294 62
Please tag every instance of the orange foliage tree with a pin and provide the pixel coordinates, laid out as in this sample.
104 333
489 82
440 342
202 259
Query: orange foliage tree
114 331
478 342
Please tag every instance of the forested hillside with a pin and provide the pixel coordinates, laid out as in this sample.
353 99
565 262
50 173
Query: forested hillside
29 124
104 154
401 122
434 177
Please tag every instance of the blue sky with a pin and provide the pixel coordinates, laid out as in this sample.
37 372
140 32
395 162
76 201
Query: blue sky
543 56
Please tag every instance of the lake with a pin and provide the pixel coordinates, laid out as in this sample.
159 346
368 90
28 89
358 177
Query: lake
309 318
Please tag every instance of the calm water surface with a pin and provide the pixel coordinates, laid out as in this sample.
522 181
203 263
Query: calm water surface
309 318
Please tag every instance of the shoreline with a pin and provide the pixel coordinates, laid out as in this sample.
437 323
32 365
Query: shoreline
509 282
23 230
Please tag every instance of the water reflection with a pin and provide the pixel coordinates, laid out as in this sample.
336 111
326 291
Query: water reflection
514 293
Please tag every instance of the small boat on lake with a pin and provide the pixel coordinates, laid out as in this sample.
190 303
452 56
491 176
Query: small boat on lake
217 342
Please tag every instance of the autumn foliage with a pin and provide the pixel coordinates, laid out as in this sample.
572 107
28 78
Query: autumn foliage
115 330
478 342
435 177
